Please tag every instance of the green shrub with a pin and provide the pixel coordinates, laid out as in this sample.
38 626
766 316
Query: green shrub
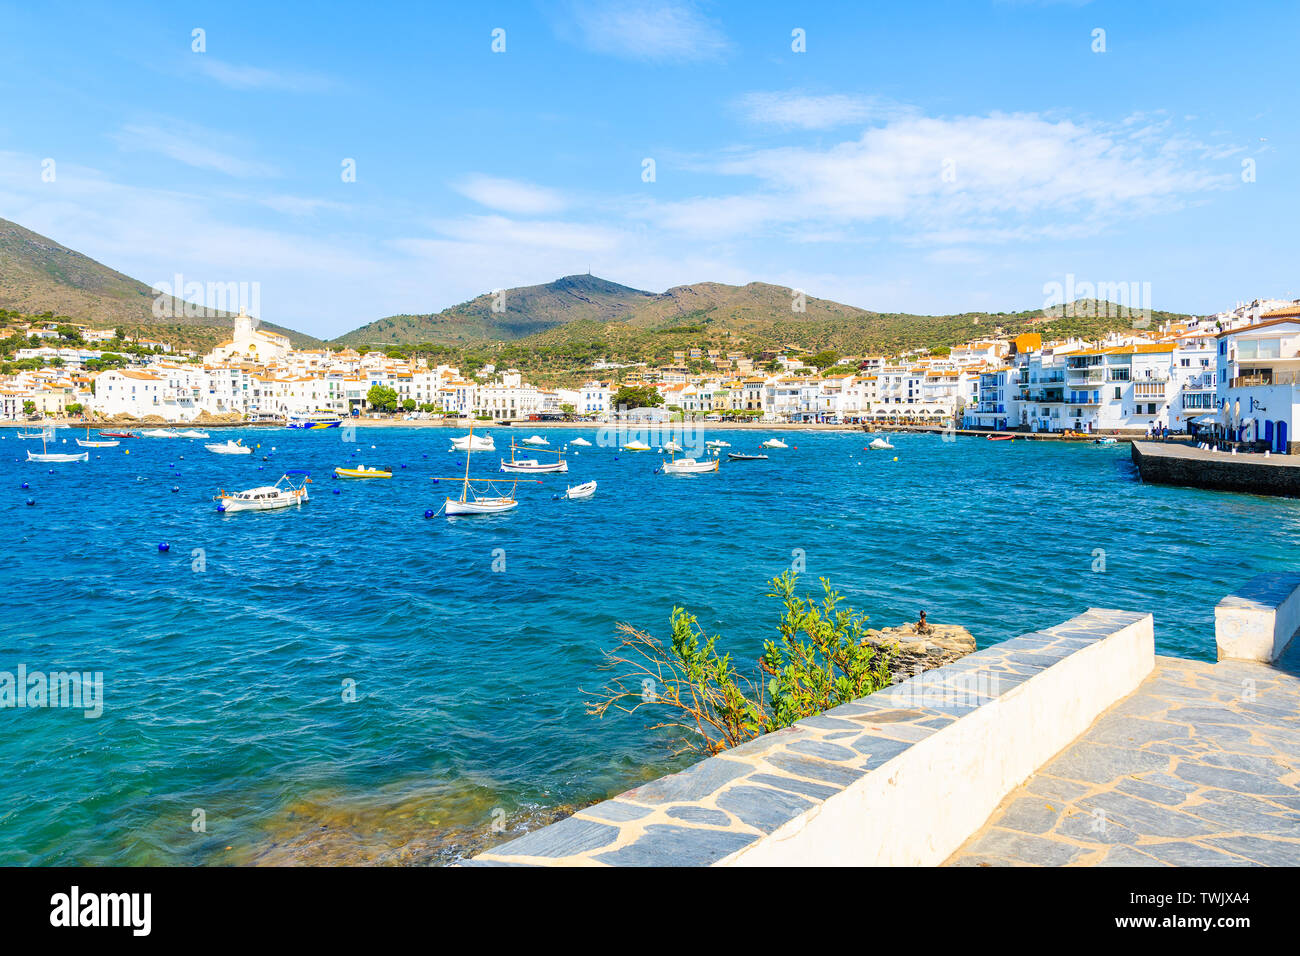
817 662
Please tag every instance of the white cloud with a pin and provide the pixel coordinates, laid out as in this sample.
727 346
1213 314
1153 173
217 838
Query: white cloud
241 77
792 109
509 195
1007 176
191 145
299 205
654 31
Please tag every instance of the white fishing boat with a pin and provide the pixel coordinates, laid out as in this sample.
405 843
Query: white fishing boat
46 433
672 447
192 433
636 445
878 444
230 447
581 442
46 455
689 466
160 433
716 443
525 466
471 442
584 490
534 440
471 502
775 443
290 490
89 442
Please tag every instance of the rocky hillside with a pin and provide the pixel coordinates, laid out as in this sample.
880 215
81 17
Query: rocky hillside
39 275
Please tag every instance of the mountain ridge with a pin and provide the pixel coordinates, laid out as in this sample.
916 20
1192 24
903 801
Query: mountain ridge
39 274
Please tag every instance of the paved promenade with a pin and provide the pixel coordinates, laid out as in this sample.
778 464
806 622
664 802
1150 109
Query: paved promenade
1201 766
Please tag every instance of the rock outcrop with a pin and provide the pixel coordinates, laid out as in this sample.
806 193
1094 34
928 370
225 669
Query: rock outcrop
943 644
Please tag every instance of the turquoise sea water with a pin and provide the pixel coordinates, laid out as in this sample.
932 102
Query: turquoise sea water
224 686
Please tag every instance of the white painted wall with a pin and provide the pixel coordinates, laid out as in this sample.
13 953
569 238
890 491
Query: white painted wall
920 807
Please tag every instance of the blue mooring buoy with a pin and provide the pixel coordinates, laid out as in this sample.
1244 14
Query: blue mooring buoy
164 546
428 514
31 501
175 488
25 486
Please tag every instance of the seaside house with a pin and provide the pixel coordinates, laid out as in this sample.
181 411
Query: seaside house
1257 369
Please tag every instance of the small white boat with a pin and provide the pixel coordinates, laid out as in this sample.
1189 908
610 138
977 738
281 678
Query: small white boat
46 455
775 443
525 466
878 444
480 506
160 433
230 448
192 433
672 447
584 490
89 442
52 457
1105 441
470 501
636 445
582 442
689 466
717 444
46 433
534 440
290 490
472 442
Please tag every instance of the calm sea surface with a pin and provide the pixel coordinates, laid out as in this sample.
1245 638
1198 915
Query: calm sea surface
226 737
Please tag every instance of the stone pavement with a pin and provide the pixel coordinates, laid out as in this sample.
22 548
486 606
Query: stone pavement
1200 766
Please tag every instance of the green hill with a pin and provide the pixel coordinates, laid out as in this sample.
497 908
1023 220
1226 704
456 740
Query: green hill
515 314
39 276
561 328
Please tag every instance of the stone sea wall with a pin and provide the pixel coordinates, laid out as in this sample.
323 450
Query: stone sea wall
901 777
1196 468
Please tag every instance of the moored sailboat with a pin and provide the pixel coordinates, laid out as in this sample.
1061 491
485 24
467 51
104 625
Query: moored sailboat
88 442
527 466
470 501
48 456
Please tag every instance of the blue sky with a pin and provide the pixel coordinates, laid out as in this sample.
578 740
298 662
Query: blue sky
925 157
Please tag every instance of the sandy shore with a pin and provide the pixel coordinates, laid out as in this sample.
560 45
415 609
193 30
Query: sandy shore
458 423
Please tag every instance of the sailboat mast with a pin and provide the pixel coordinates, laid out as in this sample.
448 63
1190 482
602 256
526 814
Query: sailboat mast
469 449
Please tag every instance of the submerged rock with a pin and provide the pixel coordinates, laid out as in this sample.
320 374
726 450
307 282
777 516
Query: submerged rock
913 651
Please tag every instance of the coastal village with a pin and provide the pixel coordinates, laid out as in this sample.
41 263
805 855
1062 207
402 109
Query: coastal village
1236 369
